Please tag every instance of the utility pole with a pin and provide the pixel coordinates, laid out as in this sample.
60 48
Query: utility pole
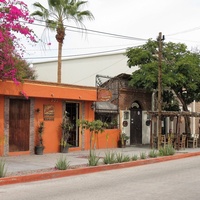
160 39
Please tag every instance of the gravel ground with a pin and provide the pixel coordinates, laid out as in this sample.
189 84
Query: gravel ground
22 173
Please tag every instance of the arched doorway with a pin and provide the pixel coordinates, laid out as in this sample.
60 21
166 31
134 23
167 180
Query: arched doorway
136 123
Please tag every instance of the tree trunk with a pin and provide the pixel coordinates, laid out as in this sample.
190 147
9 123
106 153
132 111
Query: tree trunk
60 38
59 62
187 118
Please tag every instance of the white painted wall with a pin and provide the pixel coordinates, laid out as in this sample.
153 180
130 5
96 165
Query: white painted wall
83 70
145 129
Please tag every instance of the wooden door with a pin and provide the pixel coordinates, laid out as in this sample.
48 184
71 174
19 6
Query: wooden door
136 126
19 125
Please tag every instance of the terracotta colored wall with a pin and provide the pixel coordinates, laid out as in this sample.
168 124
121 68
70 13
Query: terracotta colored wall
52 130
48 90
107 139
55 95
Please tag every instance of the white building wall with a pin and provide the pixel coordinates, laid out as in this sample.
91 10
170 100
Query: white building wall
83 70
145 129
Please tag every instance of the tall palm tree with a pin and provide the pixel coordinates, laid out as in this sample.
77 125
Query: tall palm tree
56 14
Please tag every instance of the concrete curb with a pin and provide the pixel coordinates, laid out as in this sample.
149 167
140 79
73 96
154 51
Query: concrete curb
86 170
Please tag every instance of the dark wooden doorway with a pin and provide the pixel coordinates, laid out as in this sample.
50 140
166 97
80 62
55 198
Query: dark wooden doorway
72 110
136 126
19 125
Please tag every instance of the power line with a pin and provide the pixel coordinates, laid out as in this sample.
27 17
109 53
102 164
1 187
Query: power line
98 71
90 31
82 48
185 31
87 54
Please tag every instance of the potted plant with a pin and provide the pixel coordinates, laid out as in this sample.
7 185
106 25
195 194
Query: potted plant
40 147
122 140
66 126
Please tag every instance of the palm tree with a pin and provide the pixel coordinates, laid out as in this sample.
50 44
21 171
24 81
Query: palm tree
54 17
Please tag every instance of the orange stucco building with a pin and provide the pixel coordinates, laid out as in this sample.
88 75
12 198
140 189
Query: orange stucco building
24 106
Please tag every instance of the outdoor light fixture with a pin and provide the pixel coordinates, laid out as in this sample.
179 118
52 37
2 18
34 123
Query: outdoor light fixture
93 106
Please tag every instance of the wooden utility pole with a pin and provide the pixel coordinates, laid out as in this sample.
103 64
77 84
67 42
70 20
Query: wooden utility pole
159 87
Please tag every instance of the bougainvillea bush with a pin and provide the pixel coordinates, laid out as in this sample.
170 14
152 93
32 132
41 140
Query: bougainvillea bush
14 20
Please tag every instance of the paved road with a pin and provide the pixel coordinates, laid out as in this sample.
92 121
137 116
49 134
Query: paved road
178 179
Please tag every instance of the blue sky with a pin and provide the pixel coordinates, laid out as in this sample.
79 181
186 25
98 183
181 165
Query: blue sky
178 20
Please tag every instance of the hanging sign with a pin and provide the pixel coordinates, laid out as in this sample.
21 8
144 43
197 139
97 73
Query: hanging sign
104 95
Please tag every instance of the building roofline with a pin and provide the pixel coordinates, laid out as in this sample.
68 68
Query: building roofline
82 57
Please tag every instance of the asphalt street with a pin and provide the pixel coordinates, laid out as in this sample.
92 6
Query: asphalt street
177 180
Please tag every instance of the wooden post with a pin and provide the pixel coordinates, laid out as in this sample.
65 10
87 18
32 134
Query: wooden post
159 87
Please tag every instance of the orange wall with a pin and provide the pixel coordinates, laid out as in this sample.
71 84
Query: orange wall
55 94
49 90
108 139
52 130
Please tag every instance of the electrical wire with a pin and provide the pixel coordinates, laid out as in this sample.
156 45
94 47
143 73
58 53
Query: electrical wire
99 71
77 55
185 31
94 31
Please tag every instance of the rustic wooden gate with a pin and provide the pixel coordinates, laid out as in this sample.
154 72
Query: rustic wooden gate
19 125
136 126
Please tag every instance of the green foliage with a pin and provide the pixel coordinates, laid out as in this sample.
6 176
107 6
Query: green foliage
168 150
153 153
62 163
124 136
24 71
95 127
126 158
93 159
120 157
134 157
180 73
109 158
3 169
180 69
143 155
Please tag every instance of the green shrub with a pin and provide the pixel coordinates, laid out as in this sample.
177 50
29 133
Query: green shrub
134 157
167 150
143 155
3 169
62 163
153 153
109 158
126 158
120 157
93 159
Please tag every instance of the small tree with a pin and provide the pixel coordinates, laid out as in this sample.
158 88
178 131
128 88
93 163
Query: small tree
95 127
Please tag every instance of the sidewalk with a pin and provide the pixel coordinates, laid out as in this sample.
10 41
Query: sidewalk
45 161
30 163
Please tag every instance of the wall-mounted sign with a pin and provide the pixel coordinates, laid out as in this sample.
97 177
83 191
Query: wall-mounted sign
125 123
104 94
49 112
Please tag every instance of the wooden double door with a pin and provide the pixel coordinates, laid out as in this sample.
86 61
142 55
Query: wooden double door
19 125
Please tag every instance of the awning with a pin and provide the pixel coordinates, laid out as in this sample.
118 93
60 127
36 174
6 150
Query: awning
105 107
